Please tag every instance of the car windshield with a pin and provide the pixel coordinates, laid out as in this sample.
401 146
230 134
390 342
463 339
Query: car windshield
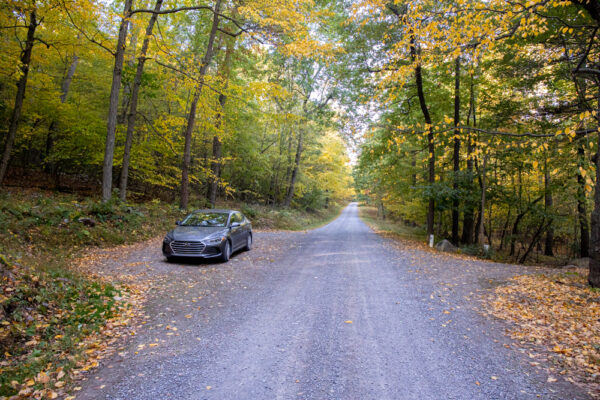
206 219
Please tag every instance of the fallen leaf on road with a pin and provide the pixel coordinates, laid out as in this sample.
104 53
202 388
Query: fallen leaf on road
348 322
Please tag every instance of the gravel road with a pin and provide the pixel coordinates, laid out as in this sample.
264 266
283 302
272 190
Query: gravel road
334 313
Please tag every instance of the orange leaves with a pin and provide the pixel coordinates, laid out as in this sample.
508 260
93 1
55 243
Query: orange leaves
561 314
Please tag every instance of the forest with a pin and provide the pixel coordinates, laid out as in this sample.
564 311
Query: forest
183 102
487 121
477 120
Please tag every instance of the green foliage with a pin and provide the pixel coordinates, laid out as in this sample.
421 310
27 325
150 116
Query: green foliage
47 314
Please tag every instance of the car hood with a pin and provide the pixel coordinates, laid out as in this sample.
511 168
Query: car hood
194 232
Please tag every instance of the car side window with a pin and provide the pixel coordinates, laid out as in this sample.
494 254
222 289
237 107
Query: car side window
237 217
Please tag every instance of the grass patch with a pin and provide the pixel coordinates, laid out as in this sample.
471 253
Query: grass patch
264 217
389 226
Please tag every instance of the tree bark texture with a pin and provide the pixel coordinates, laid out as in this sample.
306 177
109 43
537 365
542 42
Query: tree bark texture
456 154
430 143
113 106
133 102
213 186
469 215
290 192
549 242
584 249
20 96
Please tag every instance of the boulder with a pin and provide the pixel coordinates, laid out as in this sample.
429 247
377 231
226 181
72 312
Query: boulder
580 262
446 246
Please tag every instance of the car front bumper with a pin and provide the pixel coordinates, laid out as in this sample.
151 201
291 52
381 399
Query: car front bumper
191 249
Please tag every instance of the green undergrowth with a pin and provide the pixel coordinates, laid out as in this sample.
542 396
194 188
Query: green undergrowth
46 309
45 316
264 217
396 228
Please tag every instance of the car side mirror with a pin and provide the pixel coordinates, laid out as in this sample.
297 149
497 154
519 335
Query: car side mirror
234 224
177 222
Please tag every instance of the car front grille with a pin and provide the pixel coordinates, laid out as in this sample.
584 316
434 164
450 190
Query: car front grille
187 248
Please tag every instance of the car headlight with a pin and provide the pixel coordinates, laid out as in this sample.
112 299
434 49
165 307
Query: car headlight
168 238
215 239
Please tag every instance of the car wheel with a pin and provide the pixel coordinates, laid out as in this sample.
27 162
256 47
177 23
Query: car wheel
226 252
248 242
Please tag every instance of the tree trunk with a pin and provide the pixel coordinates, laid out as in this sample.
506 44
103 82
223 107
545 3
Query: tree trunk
135 90
290 192
66 83
21 86
191 122
594 268
468 219
481 234
113 106
456 154
213 185
582 206
549 242
430 144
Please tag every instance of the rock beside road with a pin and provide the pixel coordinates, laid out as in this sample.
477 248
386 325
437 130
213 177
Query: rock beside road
446 247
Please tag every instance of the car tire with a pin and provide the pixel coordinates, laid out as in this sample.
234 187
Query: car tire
226 252
248 246
169 259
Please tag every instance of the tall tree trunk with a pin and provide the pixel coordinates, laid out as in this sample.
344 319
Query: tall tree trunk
549 242
66 83
594 268
191 122
456 154
213 185
430 144
133 102
127 87
582 206
21 86
290 192
481 234
469 216
113 107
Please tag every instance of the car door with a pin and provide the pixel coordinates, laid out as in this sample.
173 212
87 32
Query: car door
237 232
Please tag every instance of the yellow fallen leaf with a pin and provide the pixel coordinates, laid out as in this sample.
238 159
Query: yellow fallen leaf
153 344
551 379
477 383
52 394
188 316
59 384
494 378
348 322
208 387
30 382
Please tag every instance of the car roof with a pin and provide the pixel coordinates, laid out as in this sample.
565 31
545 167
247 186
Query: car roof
212 210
